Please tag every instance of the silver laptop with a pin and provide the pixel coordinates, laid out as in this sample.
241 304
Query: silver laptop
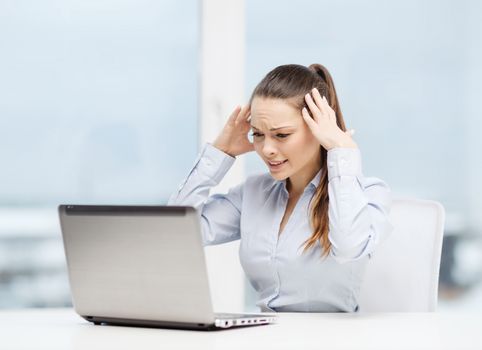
142 266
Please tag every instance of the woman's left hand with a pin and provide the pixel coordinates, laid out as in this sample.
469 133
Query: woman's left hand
323 124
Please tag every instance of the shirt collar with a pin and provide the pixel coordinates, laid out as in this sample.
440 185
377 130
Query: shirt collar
316 180
313 183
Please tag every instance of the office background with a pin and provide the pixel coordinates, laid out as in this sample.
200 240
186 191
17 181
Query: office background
99 103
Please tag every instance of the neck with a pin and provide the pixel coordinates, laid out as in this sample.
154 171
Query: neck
297 183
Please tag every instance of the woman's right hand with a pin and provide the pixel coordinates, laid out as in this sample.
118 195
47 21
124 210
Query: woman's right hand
233 139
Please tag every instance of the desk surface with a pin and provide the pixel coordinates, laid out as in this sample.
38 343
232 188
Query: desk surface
63 329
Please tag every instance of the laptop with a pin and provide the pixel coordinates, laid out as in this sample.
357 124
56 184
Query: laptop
142 266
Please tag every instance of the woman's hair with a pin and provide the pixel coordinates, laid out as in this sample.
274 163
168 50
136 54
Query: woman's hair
291 83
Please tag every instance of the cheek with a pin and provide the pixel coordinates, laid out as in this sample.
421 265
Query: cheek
257 147
303 147
308 135
302 142
309 140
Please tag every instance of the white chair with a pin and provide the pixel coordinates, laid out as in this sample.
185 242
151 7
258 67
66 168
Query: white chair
402 274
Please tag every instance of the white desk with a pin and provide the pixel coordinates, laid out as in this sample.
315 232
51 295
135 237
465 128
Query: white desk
63 329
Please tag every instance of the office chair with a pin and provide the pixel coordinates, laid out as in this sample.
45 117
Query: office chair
402 273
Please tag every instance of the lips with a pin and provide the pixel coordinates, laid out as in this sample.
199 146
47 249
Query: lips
277 162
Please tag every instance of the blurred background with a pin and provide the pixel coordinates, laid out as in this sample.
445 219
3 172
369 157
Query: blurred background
100 104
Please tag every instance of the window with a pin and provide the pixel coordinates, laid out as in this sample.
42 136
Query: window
407 74
96 96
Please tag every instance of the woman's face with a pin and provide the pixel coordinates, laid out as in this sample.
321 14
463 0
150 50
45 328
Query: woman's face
291 143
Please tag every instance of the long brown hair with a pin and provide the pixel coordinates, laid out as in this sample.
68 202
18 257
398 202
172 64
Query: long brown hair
291 83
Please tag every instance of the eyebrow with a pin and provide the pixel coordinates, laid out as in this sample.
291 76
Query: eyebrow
272 129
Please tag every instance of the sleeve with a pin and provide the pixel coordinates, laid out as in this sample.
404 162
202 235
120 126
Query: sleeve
220 213
358 207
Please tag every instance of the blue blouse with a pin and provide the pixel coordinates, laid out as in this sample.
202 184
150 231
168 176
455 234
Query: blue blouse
285 278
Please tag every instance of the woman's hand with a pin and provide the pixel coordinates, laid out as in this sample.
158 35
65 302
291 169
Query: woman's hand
233 139
323 124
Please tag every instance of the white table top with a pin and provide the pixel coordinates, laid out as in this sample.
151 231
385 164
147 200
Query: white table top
63 329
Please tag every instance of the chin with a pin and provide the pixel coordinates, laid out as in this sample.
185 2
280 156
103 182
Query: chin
279 176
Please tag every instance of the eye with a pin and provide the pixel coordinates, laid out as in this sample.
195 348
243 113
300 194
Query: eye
256 134
283 135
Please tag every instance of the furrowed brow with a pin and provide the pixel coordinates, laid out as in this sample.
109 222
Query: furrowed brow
273 129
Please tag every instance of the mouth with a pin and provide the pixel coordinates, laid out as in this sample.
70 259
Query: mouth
276 165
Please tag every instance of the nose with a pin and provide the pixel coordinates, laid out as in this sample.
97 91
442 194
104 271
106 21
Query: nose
268 148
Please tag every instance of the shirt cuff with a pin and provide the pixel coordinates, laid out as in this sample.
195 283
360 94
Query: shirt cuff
214 163
344 162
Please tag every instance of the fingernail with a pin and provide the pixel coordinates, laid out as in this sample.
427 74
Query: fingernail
304 109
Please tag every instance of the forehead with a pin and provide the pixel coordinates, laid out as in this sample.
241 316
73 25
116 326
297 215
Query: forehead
272 113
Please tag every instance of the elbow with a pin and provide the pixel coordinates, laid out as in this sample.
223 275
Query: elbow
346 247
350 255
351 245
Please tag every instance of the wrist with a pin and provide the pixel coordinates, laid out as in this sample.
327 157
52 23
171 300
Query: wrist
220 147
223 149
342 143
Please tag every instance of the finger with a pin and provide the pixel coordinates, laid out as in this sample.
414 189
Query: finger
348 133
246 112
329 111
306 116
247 117
234 114
320 102
246 123
315 111
242 114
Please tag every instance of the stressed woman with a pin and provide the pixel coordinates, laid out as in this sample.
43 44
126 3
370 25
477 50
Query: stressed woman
308 227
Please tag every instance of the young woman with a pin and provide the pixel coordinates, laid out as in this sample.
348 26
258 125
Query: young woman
307 227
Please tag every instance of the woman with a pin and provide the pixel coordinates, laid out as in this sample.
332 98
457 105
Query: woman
307 227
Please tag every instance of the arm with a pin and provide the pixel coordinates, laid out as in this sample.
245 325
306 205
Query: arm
220 214
358 207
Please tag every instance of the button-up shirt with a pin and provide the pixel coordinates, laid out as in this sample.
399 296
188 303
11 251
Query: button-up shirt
285 278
